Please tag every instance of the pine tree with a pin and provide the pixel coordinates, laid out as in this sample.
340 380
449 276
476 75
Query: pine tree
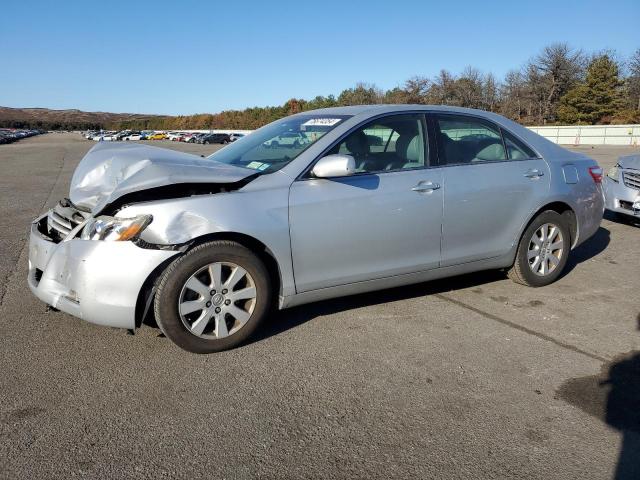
598 98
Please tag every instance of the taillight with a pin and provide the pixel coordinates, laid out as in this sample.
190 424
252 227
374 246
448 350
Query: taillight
596 174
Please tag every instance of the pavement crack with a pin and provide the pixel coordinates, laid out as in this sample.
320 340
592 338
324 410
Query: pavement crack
529 331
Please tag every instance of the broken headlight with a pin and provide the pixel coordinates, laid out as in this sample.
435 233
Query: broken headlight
115 229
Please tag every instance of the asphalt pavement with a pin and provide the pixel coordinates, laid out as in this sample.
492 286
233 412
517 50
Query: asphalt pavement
468 377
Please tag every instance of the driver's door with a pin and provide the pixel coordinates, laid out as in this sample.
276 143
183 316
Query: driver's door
384 221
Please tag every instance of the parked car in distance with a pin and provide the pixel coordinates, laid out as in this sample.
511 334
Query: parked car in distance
195 137
289 139
222 138
173 136
132 136
9 135
236 136
209 245
108 137
622 187
120 135
156 136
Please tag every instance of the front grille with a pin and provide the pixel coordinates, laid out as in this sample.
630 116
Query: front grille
626 205
63 218
631 178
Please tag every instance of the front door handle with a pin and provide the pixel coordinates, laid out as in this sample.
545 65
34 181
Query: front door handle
426 187
534 173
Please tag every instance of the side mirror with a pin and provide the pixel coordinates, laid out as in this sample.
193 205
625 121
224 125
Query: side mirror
337 165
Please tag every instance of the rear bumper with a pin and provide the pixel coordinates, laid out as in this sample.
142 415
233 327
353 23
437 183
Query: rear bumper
96 281
620 198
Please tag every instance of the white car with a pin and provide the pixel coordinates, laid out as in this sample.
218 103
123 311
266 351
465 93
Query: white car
104 137
133 136
622 187
173 136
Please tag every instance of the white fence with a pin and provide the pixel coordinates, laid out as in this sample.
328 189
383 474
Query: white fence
591 134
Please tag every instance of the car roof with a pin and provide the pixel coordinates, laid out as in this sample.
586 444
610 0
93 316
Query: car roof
387 108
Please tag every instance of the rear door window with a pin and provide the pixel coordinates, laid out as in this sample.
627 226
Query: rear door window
465 139
516 149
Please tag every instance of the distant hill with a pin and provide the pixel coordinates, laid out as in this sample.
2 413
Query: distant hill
69 119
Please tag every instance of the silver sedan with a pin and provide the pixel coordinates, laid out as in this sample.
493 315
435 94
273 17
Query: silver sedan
369 197
622 187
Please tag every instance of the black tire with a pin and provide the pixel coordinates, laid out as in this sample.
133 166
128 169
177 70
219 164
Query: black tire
521 271
171 284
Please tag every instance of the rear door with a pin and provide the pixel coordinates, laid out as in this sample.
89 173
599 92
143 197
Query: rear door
383 221
492 182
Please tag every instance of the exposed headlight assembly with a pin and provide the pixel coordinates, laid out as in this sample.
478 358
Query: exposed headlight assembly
115 229
613 172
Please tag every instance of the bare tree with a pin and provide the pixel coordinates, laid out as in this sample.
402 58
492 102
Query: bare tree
362 94
634 80
553 73
512 95
443 91
490 93
468 88
416 90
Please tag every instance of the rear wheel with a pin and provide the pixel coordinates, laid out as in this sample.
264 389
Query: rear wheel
543 251
213 298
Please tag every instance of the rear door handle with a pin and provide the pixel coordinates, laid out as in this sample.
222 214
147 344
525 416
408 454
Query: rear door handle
426 187
534 173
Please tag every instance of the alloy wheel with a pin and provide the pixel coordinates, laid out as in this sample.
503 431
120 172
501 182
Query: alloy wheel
546 249
217 300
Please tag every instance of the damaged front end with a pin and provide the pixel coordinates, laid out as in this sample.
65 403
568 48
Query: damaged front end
98 281
111 175
87 255
62 219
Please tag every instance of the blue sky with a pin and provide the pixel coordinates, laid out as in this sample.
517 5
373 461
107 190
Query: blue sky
183 57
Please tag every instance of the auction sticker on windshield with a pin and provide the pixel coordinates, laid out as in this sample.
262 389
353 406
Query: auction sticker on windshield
321 122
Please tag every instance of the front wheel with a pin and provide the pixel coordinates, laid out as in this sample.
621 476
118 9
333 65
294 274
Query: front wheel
543 251
213 298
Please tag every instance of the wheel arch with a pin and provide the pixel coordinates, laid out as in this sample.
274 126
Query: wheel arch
147 291
561 207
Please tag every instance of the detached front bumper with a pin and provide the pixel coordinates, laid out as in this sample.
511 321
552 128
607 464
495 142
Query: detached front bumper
97 281
621 198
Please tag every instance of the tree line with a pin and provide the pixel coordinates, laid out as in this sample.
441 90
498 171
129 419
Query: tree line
559 85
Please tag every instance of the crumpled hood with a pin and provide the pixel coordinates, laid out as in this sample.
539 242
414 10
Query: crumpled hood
110 170
630 161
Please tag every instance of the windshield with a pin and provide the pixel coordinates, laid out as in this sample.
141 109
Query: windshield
274 146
